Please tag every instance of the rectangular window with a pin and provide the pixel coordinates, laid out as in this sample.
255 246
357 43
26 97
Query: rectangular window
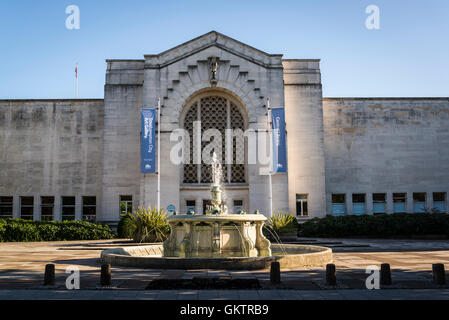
301 205
68 208
26 208
190 205
399 202
358 204
238 206
89 208
379 203
338 204
419 202
439 202
126 205
6 204
47 205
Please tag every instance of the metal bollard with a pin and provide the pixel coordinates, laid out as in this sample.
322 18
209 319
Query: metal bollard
331 277
49 276
439 276
105 279
385 274
275 272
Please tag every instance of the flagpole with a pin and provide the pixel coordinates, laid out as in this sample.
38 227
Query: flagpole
158 154
76 81
270 194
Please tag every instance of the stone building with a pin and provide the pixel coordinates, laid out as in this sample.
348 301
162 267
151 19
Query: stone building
80 159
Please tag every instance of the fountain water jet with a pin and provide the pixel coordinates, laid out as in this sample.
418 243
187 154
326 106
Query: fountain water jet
217 233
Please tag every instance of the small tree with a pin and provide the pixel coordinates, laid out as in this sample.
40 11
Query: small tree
149 225
283 223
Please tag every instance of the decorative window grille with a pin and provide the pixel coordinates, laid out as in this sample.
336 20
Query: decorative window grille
215 112
68 208
47 207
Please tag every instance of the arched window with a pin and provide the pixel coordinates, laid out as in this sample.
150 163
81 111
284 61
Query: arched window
214 112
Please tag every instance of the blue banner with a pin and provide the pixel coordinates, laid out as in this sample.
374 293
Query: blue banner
147 143
279 145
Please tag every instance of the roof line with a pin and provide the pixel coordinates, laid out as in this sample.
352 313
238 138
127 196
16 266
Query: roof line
206 34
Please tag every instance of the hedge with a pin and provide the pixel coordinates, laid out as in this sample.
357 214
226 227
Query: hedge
384 225
15 230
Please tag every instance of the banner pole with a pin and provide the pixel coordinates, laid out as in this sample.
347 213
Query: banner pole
270 194
158 154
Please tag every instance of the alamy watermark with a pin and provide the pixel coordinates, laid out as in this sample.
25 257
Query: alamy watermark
72 22
73 280
373 280
372 22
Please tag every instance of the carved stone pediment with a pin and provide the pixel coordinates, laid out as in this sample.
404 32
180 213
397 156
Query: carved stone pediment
219 40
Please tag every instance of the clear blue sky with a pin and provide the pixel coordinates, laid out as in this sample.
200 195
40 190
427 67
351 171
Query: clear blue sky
408 56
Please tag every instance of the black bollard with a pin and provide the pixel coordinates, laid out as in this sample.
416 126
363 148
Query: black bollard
49 277
105 279
385 274
331 277
275 272
439 276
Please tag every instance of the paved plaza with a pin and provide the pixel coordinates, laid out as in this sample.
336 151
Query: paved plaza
356 294
22 267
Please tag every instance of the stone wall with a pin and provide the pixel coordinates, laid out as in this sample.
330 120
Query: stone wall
388 145
121 148
304 124
51 148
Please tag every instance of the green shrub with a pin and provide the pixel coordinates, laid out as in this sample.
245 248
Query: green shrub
125 227
384 225
15 230
149 225
282 223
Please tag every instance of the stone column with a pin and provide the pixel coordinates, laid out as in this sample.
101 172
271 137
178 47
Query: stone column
78 207
409 208
369 203
429 201
199 206
230 205
389 204
36 208
57 208
329 203
348 199
16 206
447 204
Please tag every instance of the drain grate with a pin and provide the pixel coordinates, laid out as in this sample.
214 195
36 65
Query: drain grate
204 283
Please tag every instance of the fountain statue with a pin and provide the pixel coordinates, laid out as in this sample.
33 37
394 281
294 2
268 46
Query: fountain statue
217 207
216 233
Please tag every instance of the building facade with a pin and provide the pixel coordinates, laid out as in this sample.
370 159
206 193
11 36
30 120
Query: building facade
80 159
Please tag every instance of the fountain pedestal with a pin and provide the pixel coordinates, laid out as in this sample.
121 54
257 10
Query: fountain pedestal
220 235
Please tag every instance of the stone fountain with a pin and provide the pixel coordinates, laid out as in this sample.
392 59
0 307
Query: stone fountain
217 240
216 233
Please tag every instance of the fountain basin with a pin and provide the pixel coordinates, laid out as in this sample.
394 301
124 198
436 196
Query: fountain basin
216 235
151 256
